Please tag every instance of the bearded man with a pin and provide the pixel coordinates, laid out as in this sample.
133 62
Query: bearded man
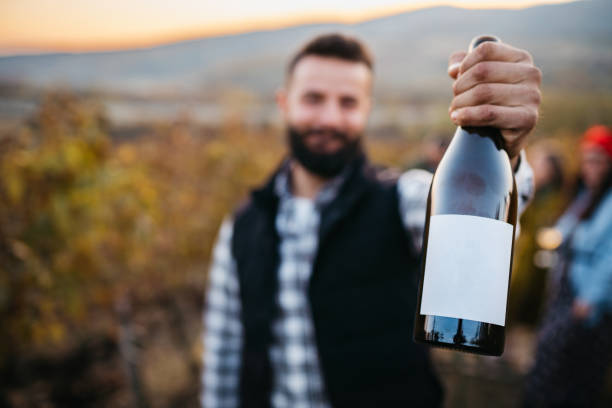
313 284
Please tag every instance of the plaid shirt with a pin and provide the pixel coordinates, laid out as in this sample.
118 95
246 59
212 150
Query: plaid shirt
297 380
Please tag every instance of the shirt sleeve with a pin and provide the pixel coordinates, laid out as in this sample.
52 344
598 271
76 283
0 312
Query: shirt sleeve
525 187
223 330
413 187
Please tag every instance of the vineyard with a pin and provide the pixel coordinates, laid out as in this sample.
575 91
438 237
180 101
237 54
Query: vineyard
105 243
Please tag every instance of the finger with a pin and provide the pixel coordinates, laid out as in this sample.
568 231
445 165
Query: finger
492 51
497 72
501 117
454 62
497 94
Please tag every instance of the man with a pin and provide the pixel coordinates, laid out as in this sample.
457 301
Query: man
313 283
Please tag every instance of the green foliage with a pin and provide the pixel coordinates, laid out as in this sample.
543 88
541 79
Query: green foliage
569 114
73 222
84 221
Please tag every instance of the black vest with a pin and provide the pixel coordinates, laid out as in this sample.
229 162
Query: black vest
362 294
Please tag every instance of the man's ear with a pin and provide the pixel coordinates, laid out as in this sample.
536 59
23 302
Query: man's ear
281 100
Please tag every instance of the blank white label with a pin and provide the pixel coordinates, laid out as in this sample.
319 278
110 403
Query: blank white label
467 268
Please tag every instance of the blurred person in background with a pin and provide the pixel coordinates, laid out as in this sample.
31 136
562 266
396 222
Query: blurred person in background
312 288
431 152
532 260
546 162
574 348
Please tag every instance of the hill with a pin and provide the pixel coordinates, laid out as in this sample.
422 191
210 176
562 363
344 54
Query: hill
571 42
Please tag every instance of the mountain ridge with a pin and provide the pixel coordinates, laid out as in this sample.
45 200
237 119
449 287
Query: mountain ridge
571 42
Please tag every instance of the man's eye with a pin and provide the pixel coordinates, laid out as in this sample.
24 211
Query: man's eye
348 102
313 98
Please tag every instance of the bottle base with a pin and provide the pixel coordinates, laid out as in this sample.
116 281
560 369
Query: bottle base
463 348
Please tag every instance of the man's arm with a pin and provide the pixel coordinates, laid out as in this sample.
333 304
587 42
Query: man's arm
222 327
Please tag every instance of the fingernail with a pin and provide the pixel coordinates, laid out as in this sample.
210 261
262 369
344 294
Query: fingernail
454 115
453 66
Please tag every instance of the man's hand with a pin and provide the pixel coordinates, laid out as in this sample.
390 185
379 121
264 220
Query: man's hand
496 85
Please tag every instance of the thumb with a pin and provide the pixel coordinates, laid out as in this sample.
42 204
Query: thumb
454 63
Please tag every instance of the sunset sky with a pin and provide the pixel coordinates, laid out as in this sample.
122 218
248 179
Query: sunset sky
81 25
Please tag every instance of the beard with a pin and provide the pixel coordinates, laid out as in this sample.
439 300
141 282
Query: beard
326 165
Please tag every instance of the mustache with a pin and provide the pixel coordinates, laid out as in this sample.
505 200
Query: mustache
333 133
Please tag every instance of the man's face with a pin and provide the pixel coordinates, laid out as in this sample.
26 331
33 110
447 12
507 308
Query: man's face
327 102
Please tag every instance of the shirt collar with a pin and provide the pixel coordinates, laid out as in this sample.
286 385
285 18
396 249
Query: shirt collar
330 190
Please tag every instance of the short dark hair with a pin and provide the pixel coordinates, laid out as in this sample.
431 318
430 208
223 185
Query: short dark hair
334 45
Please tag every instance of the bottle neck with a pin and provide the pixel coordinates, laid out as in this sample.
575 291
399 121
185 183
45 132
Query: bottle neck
486 131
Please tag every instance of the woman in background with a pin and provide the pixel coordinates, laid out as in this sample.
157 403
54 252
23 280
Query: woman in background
574 349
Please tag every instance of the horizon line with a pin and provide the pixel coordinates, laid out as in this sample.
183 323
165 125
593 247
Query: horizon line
245 27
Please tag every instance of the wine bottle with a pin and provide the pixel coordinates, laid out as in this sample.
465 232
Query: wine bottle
468 244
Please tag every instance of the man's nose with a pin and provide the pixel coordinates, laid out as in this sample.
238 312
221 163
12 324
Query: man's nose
331 115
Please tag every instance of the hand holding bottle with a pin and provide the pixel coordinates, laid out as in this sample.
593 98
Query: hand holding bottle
472 205
496 85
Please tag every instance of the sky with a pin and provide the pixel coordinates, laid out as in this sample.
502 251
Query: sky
87 25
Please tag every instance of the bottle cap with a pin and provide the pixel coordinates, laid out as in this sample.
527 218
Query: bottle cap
482 38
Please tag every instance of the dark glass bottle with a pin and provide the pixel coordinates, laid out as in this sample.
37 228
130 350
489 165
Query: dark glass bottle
468 244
